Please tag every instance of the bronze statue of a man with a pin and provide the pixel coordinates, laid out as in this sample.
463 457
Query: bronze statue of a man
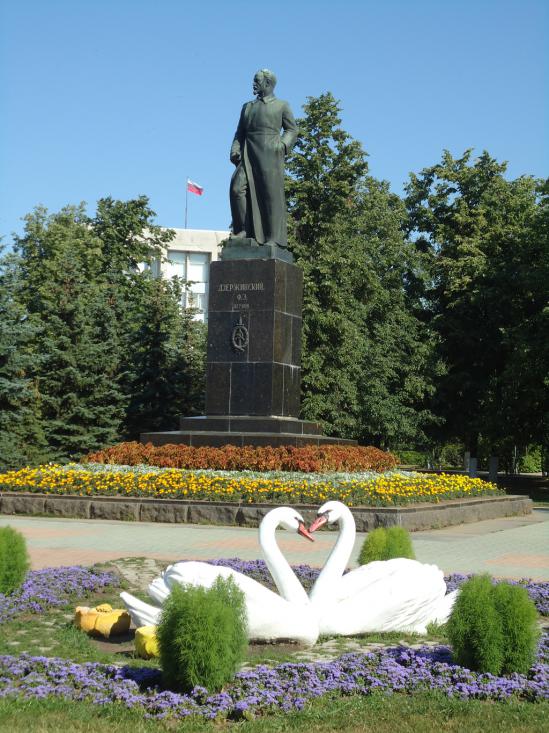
258 205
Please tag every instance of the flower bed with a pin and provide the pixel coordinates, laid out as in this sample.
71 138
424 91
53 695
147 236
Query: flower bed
394 488
320 459
51 587
265 689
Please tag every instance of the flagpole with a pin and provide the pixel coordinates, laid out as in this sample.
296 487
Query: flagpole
186 200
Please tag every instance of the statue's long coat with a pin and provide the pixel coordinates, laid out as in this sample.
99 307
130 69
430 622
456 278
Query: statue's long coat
262 150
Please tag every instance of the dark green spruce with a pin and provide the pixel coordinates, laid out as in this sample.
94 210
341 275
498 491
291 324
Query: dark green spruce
367 360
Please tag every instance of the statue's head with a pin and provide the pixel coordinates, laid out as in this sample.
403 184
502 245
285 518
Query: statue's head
264 83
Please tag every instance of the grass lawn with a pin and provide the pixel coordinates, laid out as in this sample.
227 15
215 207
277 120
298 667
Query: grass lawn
425 713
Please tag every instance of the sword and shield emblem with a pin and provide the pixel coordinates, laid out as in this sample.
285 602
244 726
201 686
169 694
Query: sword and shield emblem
240 336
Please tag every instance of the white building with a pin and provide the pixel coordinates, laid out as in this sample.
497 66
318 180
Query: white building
188 256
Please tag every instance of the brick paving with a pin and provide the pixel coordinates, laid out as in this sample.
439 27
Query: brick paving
512 547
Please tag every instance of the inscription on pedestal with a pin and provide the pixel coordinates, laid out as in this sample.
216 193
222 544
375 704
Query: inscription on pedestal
243 295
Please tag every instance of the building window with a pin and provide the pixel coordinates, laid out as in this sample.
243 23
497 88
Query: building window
194 267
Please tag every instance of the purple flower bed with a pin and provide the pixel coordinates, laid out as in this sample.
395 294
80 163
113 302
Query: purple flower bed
50 587
257 569
265 689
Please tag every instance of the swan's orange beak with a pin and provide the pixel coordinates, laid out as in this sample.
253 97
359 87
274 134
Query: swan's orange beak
304 532
320 521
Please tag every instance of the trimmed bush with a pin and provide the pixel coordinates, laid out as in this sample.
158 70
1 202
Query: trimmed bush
202 635
14 560
374 546
386 544
399 544
518 616
475 629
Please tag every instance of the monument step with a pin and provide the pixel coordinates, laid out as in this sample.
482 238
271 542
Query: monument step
241 439
249 424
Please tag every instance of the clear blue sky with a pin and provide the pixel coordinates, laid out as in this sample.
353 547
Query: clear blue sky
123 97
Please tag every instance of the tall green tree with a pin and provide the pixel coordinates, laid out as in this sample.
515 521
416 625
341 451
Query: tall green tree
478 229
400 365
325 169
525 375
21 437
131 243
118 356
81 401
365 360
168 361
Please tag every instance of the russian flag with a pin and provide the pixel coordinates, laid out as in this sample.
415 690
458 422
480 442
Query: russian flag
194 188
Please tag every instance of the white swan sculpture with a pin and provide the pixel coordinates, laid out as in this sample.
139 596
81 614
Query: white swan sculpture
270 616
390 595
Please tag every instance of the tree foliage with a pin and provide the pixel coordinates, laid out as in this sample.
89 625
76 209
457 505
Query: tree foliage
168 366
21 435
366 362
93 347
77 374
484 236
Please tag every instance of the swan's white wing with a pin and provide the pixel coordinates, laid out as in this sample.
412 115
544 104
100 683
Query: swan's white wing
393 595
444 608
269 616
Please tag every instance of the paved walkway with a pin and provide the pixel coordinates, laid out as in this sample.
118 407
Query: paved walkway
512 547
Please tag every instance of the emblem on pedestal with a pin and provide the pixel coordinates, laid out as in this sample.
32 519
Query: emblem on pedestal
240 336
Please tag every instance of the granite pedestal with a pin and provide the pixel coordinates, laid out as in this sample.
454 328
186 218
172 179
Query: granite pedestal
253 378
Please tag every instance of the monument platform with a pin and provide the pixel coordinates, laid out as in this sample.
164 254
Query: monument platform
241 430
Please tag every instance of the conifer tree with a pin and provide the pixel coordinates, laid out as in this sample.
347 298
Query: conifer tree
21 437
81 401
366 363
168 360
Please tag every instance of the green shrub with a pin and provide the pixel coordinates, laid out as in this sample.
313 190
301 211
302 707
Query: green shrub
399 544
475 629
451 454
374 546
385 544
518 617
14 560
412 458
530 462
202 635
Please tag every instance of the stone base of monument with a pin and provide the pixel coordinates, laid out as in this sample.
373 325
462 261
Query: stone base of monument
253 374
241 430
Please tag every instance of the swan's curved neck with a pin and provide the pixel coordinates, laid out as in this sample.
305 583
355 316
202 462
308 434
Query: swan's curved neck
339 557
284 577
